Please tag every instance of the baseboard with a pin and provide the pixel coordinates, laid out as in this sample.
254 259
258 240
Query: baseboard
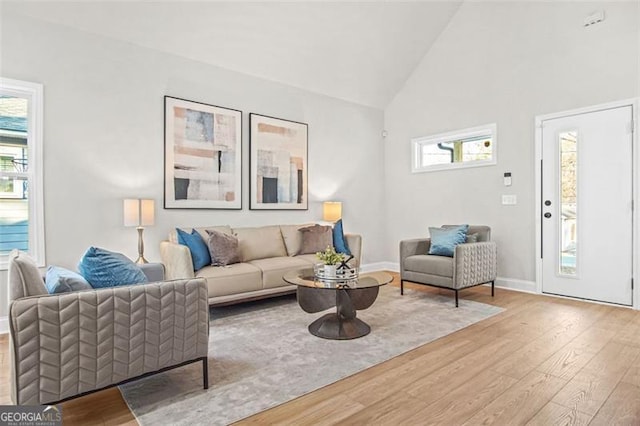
380 266
4 325
517 285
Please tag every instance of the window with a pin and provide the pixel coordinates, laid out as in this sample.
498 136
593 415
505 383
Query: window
21 198
464 148
568 145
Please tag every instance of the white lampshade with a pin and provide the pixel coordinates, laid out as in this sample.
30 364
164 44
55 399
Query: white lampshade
131 212
138 212
331 211
146 212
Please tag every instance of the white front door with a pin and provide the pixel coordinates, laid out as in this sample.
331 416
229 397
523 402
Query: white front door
587 202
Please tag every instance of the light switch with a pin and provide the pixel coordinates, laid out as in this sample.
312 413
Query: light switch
509 200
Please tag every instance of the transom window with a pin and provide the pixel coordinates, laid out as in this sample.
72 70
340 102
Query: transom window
453 150
21 201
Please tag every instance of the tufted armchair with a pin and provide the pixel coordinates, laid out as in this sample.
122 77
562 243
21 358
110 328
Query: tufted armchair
472 263
70 344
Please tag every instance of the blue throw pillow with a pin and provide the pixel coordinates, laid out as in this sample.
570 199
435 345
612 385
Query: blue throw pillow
61 280
103 268
444 240
199 251
339 242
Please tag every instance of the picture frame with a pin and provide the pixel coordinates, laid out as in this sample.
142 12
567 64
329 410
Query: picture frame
278 164
203 155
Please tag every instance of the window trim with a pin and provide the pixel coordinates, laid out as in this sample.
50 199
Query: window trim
456 135
35 175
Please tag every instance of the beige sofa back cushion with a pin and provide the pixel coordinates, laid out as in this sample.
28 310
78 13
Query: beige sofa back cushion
315 239
293 237
173 235
260 243
24 277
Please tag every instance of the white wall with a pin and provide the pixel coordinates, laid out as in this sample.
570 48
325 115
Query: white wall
103 140
501 62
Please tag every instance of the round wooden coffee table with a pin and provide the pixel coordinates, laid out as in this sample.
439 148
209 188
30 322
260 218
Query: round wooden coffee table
348 296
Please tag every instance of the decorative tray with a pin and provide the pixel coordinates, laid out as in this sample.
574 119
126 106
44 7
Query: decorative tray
321 272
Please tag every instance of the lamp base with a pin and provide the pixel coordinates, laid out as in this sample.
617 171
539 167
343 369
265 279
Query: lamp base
141 260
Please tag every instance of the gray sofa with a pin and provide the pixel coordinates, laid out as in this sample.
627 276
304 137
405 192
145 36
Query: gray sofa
472 263
70 344
266 252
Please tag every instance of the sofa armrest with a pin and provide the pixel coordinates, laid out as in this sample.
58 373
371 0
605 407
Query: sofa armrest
153 271
413 247
475 263
354 241
177 260
67 344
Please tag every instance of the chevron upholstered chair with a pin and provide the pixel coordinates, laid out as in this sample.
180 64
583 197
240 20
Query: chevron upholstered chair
70 344
472 263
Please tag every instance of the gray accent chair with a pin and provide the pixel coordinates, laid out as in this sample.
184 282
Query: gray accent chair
67 345
472 263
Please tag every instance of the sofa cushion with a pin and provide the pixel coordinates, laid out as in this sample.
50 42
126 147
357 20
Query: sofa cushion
339 242
444 240
223 248
292 237
173 236
24 277
231 279
483 232
61 280
315 238
200 256
104 268
260 243
430 264
274 268
225 229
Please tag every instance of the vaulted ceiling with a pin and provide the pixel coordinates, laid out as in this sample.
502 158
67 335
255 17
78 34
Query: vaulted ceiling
357 51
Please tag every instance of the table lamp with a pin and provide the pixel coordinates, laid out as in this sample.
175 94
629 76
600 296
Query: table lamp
331 211
139 213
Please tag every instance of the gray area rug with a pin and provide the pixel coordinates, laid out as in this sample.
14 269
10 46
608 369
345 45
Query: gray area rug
261 355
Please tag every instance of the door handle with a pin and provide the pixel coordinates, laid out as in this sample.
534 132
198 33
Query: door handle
547 215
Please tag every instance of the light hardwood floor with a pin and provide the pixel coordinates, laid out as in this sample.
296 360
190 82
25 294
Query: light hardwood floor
542 361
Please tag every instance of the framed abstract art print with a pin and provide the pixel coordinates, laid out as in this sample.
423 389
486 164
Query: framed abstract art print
203 156
278 164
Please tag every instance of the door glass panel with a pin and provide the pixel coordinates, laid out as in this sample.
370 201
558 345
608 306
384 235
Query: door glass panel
568 202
